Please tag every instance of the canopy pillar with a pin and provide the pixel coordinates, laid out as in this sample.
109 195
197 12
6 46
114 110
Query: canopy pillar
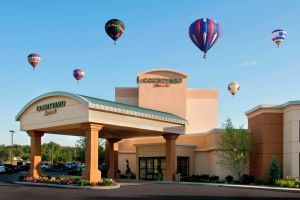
35 156
91 172
112 156
170 171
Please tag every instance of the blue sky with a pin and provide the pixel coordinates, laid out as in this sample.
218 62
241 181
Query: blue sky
70 34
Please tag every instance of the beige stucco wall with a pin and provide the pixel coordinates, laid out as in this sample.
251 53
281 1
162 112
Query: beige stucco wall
198 106
73 112
127 95
169 99
291 144
201 110
200 148
206 163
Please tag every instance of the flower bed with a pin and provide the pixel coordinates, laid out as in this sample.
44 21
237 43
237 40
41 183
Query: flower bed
289 182
74 181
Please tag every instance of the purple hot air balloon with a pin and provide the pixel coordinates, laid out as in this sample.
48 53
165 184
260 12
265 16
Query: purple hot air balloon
78 74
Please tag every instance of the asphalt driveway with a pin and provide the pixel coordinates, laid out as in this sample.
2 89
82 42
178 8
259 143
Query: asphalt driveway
144 191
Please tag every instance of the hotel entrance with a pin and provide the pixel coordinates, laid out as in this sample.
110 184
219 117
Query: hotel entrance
150 168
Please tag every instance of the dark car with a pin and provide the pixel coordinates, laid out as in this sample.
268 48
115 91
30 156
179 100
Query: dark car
58 166
25 167
9 168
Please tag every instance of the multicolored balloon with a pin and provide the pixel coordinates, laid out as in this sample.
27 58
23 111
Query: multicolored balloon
78 74
34 59
233 87
114 29
278 36
204 33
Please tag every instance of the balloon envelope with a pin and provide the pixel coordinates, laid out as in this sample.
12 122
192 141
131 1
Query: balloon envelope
233 87
34 59
114 28
278 36
204 33
78 74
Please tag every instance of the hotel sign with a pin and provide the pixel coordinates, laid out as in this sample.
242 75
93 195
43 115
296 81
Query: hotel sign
162 82
51 108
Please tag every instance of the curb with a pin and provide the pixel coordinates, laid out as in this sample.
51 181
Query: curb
68 186
281 189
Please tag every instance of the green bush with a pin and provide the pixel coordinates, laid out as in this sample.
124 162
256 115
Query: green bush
84 183
259 181
229 179
105 182
274 172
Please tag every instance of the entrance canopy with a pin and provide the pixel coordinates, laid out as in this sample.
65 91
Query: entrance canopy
64 113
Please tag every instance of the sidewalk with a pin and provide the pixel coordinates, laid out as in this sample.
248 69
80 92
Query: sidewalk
272 188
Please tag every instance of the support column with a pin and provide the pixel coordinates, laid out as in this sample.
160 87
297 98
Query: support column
111 157
170 171
35 155
91 172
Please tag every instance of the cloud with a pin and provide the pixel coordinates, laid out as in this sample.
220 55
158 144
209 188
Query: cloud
248 63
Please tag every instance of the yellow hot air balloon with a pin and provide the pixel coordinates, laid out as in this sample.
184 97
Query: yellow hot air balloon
233 87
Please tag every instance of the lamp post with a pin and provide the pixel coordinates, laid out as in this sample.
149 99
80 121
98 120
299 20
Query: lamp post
12 143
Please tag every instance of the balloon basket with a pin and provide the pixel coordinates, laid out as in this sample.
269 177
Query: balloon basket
204 56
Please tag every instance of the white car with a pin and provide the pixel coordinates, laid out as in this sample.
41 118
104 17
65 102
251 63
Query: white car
2 167
45 166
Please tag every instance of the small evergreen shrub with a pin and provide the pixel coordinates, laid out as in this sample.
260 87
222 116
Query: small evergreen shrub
229 179
274 172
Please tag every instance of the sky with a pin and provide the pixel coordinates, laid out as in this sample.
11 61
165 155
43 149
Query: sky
70 35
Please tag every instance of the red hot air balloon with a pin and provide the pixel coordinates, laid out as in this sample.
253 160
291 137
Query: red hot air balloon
34 59
78 74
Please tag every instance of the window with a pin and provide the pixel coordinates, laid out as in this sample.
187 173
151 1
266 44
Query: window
150 167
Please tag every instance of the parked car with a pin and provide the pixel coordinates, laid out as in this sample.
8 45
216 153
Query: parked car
68 165
45 166
25 167
9 168
2 167
76 170
58 166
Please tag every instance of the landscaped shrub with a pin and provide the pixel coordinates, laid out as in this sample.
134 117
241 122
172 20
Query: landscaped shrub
247 179
229 179
289 181
204 178
214 179
259 181
274 172
105 182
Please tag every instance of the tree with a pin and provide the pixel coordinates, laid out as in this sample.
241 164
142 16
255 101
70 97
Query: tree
234 149
274 173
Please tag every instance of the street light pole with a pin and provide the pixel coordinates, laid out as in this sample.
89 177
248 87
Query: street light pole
12 144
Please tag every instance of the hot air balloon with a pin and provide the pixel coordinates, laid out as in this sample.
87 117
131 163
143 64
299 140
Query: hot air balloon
278 36
78 74
34 59
204 33
114 29
233 87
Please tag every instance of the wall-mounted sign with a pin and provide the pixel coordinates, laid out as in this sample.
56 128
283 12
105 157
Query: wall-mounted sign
161 82
51 108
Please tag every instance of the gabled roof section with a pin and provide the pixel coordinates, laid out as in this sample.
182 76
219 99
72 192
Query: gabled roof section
111 106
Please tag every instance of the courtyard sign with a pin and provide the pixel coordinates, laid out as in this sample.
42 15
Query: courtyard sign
162 82
50 108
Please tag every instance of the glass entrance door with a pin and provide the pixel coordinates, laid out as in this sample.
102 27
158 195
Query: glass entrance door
150 167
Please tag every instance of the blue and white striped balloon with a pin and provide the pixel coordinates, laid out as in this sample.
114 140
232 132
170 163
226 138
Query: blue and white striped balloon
278 36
